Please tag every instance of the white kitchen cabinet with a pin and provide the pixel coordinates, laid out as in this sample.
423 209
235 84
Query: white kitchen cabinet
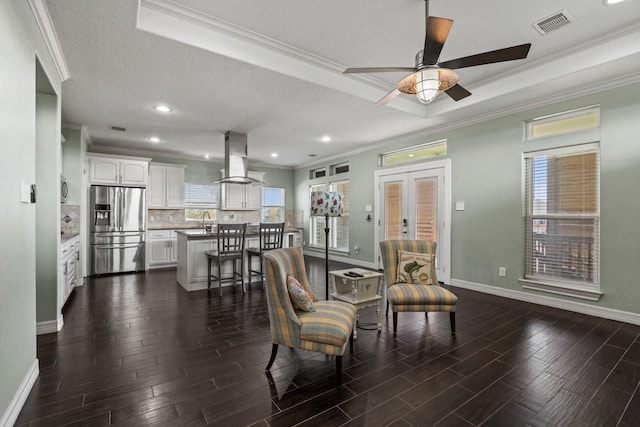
161 248
166 186
69 267
118 170
243 196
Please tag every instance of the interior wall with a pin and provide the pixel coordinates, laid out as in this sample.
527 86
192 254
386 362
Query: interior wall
486 167
47 207
20 42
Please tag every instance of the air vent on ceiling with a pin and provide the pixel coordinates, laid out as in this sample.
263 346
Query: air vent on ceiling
553 22
118 128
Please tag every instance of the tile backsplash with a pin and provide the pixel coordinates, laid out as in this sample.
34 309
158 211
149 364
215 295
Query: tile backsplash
168 218
69 220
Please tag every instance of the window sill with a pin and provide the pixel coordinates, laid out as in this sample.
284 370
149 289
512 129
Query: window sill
561 289
316 248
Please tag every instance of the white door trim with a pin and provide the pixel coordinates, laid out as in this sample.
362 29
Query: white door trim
444 240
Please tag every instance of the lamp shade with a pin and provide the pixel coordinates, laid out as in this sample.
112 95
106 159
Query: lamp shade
326 203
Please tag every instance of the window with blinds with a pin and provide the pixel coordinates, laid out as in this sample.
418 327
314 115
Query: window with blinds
199 198
562 216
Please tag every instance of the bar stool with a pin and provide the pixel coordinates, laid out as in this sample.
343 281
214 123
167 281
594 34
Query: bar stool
230 239
270 238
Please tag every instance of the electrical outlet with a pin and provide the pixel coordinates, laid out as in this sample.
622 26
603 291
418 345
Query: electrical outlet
502 271
170 219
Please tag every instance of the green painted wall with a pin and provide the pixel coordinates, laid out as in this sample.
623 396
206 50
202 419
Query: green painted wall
20 42
48 152
486 173
72 162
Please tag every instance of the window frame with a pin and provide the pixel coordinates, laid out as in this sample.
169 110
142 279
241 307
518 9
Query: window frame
265 207
199 208
540 282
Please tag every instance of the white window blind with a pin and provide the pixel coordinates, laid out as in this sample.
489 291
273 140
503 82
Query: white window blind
562 216
201 196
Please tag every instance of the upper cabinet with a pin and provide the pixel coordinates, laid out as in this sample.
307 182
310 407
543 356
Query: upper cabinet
118 170
166 186
239 197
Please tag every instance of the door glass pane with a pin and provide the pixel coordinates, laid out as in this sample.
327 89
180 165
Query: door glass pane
393 210
426 209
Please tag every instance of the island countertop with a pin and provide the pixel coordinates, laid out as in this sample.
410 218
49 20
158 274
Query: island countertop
201 234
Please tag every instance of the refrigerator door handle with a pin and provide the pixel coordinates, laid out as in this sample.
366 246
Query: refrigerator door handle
118 246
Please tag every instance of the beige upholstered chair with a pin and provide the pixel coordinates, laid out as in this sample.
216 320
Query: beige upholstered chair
403 296
327 330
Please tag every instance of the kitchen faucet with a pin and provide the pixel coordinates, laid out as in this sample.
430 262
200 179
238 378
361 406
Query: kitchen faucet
208 216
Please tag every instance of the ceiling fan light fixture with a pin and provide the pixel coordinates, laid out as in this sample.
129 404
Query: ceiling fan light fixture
427 83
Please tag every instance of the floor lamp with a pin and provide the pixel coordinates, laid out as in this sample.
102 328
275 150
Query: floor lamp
326 203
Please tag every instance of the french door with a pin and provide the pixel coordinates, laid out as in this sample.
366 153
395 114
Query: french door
415 204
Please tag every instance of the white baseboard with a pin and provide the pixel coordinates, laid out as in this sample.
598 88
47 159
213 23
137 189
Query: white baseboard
578 307
50 326
15 406
339 258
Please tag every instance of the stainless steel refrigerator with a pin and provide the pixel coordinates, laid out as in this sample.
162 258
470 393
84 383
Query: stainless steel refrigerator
117 229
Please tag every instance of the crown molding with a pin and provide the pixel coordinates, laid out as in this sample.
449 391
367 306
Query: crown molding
48 31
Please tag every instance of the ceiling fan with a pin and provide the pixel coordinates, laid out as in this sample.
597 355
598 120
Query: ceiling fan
430 77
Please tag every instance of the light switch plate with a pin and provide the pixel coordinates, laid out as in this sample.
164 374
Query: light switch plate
460 205
367 208
25 192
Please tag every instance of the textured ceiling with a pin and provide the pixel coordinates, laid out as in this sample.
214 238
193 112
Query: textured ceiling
272 69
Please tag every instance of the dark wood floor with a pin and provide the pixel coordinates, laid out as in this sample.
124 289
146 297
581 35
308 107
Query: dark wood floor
138 350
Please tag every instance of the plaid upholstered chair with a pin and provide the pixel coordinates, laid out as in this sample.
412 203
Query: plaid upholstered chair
412 285
326 328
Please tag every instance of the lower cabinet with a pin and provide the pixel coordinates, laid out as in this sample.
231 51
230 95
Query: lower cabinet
162 248
69 268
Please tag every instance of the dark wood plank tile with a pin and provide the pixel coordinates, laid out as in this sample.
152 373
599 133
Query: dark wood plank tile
137 349
510 415
374 397
611 405
484 404
383 414
334 417
432 411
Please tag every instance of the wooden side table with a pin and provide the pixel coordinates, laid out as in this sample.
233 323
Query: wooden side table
360 291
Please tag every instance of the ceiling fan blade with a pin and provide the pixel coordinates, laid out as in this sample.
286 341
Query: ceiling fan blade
457 92
388 97
500 55
437 32
379 70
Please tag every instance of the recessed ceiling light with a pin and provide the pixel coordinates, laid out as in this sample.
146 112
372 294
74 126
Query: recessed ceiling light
612 1
162 108
326 138
274 154
206 156
411 155
154 139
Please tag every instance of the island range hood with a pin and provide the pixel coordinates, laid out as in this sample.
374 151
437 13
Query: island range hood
235 160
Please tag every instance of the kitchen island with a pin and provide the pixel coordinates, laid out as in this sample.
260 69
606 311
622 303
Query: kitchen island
193 263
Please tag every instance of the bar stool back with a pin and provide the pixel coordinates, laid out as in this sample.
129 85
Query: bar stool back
230 239
270 238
